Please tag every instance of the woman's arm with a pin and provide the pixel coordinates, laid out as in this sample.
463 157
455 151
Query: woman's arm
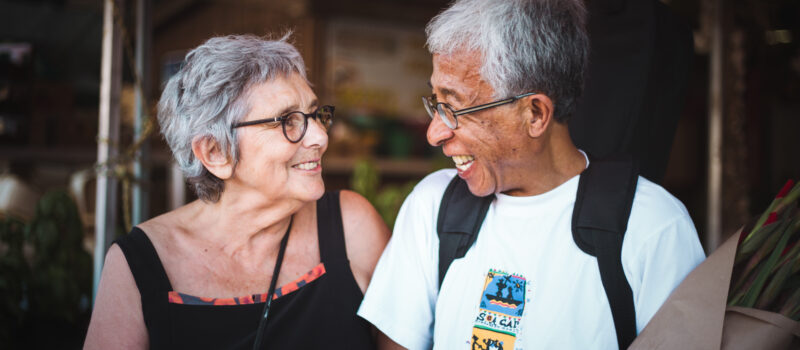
365 235
117 321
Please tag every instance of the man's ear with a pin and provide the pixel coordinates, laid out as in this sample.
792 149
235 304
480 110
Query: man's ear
540 114
207 151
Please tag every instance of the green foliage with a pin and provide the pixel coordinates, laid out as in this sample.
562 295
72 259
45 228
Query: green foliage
45 276
386 199
365 180
13 274
766 272
62 267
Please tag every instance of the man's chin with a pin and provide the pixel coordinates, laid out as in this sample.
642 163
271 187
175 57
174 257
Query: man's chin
480 190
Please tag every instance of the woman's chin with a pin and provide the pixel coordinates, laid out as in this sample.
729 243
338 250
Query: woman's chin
312 192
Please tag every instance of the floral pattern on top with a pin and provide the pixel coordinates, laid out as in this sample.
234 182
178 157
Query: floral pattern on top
186 299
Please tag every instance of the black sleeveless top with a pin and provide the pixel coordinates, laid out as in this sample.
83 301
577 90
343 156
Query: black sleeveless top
317 311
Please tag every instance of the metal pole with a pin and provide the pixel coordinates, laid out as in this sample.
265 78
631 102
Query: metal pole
142 92
108 136
714 200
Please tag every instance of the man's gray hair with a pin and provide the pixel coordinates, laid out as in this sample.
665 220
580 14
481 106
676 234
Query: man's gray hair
210 93
526 45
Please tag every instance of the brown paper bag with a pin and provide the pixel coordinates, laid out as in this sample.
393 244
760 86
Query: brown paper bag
695 317
747 328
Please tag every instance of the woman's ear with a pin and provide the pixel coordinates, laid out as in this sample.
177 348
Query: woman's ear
540 112
207 151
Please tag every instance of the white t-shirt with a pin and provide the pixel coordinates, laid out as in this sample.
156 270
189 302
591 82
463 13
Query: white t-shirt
524 284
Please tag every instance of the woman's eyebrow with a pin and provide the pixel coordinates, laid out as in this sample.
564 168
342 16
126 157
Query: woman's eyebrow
286 110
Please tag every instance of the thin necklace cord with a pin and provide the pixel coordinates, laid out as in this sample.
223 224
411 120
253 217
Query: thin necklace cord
263 323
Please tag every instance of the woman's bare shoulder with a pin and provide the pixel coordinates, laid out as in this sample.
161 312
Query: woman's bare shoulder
361 219
164 229
117 314
366 234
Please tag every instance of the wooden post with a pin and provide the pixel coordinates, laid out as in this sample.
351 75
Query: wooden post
715 110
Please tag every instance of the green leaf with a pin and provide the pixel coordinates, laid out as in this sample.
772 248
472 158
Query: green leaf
761 253
753 293
791 307
757 239
776 284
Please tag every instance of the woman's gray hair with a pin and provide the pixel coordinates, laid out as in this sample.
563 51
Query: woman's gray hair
210 93
527 45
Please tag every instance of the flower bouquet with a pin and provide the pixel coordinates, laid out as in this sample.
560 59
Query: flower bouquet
746 295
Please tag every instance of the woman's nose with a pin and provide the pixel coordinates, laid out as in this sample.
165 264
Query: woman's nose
316 135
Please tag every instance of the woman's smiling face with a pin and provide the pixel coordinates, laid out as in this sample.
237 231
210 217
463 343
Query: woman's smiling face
268 162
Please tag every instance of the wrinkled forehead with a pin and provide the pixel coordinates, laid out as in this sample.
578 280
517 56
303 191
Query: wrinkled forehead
458 74
280 95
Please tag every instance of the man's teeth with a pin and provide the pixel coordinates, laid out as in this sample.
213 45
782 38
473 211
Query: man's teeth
463 162
307 166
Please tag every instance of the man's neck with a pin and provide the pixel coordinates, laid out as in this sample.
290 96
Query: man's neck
553 160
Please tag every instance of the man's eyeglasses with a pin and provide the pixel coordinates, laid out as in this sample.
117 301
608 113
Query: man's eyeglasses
295 123
450 116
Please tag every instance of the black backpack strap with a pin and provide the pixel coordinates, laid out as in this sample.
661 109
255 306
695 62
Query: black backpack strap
599 221
460 217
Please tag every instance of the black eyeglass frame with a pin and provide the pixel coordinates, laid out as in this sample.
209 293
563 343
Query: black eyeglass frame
316 115
428 103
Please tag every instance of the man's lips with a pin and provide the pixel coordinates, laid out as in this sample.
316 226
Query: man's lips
463 162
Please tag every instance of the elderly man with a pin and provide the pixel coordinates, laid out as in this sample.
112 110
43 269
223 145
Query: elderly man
506 78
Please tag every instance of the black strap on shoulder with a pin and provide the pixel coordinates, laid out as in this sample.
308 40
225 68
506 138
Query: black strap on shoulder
460 217
152 282
599 221
329 228
146 267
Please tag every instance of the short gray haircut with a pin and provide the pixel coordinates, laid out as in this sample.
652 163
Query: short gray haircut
210 93
526 45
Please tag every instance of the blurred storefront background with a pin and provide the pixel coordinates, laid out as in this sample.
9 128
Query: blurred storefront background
365 57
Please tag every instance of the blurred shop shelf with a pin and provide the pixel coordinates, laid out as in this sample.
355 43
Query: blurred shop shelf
334 165
411 167
63 155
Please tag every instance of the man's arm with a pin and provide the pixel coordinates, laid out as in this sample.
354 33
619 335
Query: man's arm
386 343
401 298
660 248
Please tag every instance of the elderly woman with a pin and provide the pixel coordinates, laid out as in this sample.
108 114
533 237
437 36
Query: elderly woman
265 258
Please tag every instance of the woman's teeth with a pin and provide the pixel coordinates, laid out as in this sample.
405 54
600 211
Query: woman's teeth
307 166
463 162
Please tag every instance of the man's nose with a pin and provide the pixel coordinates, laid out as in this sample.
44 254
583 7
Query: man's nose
438 131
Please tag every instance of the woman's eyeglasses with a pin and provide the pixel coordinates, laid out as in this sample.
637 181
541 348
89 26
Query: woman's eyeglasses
295 124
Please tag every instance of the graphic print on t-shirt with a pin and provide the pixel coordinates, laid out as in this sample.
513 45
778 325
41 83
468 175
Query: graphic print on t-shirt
500 313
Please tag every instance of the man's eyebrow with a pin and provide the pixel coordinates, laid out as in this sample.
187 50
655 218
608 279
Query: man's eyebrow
451 93
447 92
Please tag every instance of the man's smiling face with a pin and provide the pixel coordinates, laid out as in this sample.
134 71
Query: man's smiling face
486 146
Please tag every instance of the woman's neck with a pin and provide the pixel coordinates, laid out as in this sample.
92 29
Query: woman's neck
245 223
